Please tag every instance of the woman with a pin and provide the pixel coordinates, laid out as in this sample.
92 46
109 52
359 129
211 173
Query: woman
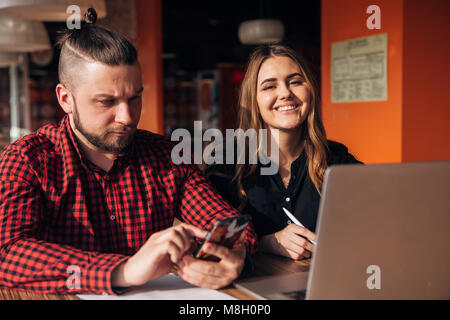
279 95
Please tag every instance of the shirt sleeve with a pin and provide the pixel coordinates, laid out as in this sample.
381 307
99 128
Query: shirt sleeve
201 206
338 154
27 261
221 177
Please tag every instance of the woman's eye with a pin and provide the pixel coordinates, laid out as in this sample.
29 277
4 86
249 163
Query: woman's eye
296 82
268 87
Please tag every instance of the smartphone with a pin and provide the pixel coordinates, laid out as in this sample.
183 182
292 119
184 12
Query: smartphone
224 232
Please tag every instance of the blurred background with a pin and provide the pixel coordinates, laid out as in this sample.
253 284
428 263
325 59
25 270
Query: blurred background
193 56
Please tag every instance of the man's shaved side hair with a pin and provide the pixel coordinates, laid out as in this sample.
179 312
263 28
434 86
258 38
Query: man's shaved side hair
91 43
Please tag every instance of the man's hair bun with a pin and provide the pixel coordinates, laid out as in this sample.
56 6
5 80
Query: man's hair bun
91 16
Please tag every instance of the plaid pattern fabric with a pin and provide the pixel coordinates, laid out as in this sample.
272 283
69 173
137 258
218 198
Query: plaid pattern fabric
66 224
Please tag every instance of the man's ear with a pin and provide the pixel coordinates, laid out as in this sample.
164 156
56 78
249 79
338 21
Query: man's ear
65 98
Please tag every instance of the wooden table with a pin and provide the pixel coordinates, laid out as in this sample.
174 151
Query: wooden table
265 265
269 265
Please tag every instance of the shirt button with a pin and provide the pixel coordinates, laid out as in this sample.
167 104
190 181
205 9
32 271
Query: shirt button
289 222
113 217
288 199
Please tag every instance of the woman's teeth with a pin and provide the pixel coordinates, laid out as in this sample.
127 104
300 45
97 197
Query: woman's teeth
286 108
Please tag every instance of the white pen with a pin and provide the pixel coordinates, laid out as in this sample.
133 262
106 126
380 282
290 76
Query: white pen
294 220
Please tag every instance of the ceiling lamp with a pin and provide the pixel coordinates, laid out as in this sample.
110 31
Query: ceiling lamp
8 59
49 10
261 31
22 35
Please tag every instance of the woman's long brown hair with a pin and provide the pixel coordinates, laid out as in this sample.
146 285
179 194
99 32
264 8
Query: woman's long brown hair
312 129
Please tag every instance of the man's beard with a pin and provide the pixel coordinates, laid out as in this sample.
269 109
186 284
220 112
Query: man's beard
100 141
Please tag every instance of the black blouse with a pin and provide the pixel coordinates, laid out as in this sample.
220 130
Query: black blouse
266 195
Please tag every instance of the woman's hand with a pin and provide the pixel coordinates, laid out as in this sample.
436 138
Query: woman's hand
290 242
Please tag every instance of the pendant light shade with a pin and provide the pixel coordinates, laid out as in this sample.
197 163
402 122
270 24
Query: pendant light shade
8 59
261 31
49 10
22 35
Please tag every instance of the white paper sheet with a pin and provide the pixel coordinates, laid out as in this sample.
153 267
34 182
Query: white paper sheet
168 287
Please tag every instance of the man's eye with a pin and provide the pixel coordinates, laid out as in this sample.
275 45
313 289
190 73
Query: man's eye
108 102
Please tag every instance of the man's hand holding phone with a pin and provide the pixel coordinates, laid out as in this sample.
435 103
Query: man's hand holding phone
221 257
224 244
214 274
157 256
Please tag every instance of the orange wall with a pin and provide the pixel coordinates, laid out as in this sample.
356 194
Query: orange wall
426 87
149 45
413 124
371 130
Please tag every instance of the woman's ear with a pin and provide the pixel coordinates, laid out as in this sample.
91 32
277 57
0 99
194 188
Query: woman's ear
65 98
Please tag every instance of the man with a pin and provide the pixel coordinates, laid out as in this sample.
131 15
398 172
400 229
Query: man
88 206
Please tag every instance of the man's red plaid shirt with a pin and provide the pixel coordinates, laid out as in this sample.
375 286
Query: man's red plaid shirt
59 213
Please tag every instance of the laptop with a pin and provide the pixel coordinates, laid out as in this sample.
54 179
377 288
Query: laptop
383 233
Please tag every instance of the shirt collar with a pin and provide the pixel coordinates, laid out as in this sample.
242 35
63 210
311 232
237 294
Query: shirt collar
120 161
73 139
295 165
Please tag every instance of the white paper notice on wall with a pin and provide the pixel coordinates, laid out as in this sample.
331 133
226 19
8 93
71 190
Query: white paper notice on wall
359 69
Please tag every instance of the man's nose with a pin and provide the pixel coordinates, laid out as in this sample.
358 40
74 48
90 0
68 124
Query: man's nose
124 114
